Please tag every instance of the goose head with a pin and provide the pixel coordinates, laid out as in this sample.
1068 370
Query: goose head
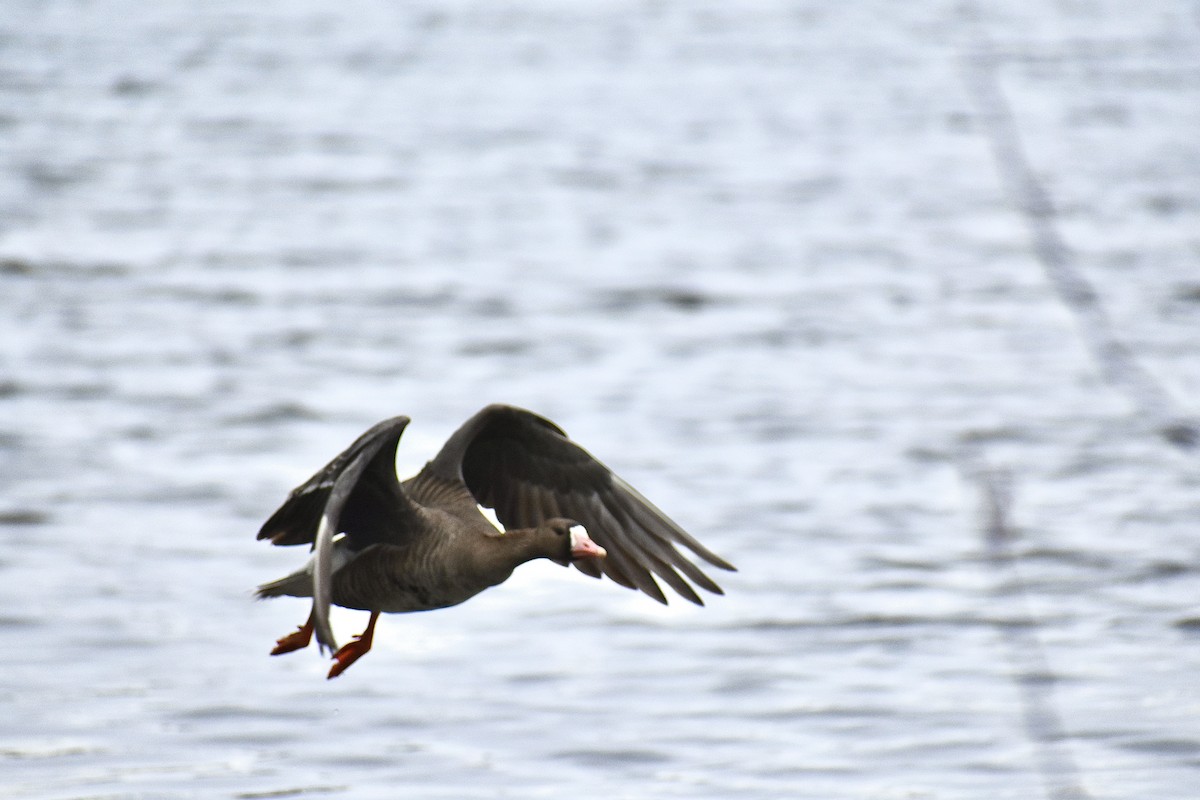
569 541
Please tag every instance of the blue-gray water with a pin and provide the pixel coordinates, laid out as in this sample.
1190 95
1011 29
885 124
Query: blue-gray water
763 260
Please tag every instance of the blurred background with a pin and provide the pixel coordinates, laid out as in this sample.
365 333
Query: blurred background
893 305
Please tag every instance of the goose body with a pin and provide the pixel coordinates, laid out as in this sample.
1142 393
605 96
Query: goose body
424 544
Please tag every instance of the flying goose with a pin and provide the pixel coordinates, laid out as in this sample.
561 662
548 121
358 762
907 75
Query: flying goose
424 543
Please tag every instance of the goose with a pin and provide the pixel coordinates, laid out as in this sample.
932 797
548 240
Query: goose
385 546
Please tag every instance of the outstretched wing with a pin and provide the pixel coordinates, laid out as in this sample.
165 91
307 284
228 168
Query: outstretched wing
371 496
525 468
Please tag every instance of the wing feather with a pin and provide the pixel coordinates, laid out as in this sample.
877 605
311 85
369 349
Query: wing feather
296 521
339 493
526 468
353 493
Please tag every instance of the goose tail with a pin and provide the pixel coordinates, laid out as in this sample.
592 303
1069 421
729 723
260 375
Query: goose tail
298 584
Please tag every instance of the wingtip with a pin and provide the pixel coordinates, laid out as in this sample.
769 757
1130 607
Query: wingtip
718 562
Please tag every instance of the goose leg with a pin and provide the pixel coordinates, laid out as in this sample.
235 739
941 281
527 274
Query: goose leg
296 640
354 649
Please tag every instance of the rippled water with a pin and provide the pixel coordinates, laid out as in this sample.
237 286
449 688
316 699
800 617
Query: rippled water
760 260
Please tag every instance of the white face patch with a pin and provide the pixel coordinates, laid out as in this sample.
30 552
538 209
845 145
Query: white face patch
578 534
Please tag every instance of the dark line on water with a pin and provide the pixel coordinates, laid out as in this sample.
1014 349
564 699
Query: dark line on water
1116 361
1031 670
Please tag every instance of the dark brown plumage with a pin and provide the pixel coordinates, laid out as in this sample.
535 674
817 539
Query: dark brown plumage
423 544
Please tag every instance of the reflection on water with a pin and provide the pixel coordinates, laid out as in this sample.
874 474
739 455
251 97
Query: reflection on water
757 261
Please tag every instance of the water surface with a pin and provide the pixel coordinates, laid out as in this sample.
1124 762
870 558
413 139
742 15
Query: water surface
761 261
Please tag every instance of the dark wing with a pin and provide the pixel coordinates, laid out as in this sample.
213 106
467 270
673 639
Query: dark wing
524 466
339 494
370 498
357 492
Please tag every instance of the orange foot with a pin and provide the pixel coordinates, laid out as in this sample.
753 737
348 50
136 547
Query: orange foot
353 650
296 640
